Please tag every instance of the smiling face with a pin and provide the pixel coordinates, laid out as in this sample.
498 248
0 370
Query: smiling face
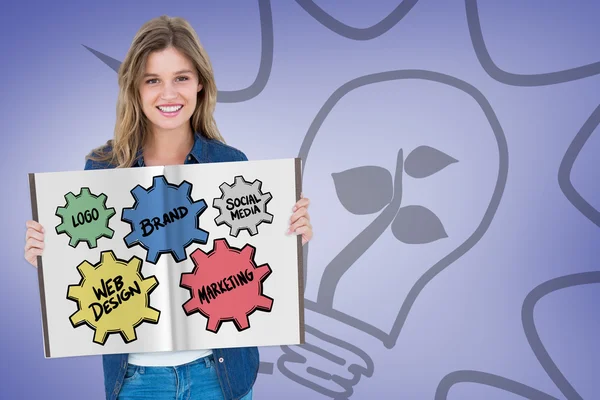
169 90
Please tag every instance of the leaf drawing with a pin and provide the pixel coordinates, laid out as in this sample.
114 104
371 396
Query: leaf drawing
364 190
417 225
425 161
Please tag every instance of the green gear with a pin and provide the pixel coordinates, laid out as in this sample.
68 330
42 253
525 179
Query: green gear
85 218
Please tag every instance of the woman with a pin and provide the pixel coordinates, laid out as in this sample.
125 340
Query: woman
167 96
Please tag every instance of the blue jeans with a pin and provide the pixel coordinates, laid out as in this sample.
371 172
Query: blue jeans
195 380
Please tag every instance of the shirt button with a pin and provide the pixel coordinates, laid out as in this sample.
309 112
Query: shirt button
189 158
221 359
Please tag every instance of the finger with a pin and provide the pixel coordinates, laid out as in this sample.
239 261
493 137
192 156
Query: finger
306 232
35 225
33 253
303 202
34 244
31 233
301 212
32 260
301 222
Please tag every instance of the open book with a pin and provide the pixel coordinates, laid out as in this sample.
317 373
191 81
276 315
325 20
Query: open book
169 258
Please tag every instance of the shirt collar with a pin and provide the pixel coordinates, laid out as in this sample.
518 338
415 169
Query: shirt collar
194 156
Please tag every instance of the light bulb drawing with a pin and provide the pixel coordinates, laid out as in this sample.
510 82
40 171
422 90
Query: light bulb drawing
373 190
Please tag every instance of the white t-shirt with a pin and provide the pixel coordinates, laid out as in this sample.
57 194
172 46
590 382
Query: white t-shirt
166 358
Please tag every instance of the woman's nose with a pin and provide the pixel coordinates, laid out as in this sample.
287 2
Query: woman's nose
168 92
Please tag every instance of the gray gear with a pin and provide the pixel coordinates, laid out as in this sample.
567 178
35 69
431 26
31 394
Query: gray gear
242 206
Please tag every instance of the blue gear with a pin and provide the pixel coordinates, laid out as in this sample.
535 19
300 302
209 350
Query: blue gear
164 219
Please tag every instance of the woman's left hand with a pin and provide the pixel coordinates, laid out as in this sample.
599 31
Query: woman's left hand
300 220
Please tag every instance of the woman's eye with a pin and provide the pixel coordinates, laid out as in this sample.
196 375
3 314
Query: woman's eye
180 78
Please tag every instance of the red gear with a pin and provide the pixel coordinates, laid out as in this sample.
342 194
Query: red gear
226 285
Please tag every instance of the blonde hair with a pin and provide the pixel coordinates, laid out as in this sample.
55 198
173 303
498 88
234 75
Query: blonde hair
131 124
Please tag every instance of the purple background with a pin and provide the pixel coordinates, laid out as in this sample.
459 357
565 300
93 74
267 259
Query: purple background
58 102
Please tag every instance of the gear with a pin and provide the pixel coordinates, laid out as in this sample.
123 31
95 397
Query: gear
164 219
112 297
226 285
84 218
242 206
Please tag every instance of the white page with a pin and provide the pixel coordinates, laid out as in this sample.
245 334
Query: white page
174 330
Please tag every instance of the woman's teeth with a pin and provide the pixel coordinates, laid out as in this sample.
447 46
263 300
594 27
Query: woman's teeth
170 108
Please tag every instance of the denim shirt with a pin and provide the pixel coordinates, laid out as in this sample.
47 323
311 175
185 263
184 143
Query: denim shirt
236 368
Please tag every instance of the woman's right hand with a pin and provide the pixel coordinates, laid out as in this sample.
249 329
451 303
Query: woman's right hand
34 242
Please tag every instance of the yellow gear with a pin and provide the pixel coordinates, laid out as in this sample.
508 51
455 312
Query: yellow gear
113 297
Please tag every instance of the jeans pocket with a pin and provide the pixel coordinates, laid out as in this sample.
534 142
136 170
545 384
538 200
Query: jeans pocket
131 373
210 362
